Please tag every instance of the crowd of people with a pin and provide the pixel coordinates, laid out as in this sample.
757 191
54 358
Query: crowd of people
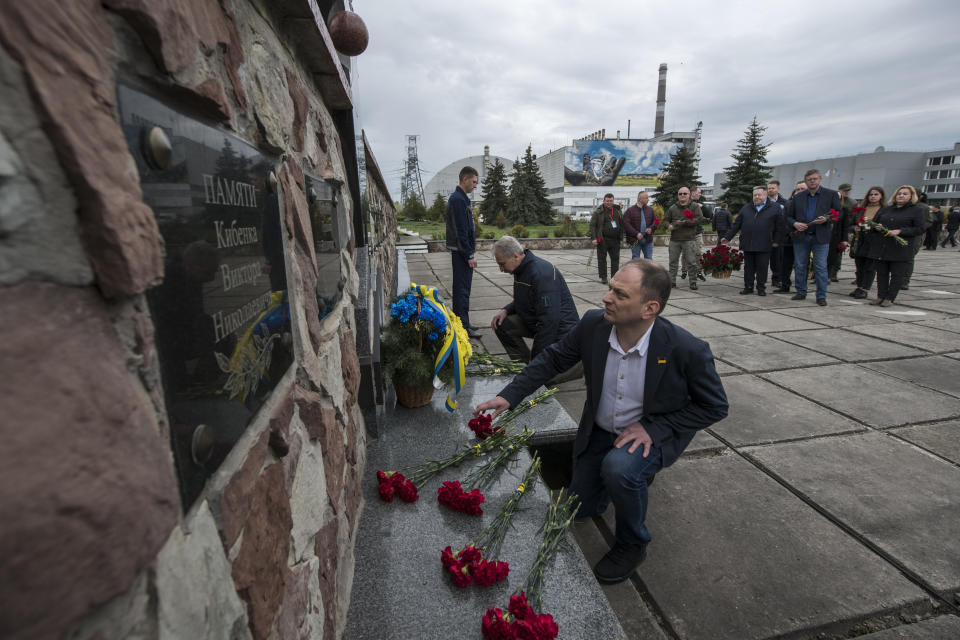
785 239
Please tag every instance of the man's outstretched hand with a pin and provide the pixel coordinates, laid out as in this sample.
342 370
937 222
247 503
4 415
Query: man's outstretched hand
498 405
637 435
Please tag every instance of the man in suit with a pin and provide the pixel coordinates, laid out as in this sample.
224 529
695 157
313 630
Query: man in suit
760 225
808 214
650 387
781 258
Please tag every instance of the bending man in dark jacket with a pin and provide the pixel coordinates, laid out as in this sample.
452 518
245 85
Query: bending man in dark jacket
650 387
542 307
760 225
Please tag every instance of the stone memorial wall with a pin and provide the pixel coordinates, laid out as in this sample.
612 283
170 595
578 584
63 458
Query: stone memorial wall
194 242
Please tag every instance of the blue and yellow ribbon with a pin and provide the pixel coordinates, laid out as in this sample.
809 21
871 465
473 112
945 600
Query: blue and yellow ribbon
456 342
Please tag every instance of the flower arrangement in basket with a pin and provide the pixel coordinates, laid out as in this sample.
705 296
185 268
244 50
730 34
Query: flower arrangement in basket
721 261
424 347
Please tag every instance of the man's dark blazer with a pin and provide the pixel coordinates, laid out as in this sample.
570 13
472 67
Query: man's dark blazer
758 229
797 212
682 392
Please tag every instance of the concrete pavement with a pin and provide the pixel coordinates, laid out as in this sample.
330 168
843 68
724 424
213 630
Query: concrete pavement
827 504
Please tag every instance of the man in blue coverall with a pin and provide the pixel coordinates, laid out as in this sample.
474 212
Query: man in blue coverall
462 244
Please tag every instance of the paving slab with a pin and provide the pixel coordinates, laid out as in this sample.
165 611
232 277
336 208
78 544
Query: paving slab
754 352
846 345
703 443
735 556
943 438
764 321
933 372
399 590
912 514
703 327
846 314
881 401
705 304
913 335
763 412
946 324
939 628
725 369
949 305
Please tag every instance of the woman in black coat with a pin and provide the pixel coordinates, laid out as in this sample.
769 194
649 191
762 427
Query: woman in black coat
901 218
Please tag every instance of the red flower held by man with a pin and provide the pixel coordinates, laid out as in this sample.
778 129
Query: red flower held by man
688 214
834 215
481 426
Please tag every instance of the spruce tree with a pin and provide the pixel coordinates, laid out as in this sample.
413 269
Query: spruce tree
748 170
680 171
438 210
494 190
527 203
414 209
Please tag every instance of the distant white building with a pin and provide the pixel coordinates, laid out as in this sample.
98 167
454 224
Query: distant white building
446 180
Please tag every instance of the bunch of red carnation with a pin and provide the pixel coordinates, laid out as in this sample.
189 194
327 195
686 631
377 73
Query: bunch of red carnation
688 214
469 566
393 483
856 210
481 425
721 258
655 222
519 623
834 215
453 496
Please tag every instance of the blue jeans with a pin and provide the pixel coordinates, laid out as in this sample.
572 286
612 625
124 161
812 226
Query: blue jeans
645 247
801 253
603 473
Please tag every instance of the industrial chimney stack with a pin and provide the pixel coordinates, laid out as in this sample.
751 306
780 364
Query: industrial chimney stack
661 101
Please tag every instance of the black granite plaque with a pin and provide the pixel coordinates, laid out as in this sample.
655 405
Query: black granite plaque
330 235
221 314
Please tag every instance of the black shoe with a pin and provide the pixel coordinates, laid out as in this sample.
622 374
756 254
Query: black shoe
603 280
799 296
822 302
473 334
673 285
775 284
905 287
782 290
745 292
834 279
859 294
761 292
473 327
619 563
693 285
701 278
683 276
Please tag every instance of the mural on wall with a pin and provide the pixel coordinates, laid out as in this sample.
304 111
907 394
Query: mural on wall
621 163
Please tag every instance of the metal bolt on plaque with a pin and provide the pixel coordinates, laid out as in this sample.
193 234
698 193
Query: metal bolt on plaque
158 149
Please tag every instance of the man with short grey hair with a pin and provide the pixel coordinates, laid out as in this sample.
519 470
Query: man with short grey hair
542 307
808 214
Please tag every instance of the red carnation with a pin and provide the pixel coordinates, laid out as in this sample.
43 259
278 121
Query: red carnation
545 627
688 214
655 221
408 492
386 492
520 607
460 574
397 479
494 627
834 215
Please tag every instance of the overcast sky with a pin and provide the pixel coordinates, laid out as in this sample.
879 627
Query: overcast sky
825 78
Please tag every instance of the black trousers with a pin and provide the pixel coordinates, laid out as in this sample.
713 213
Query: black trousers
755 265
932 236
606 248
951 238
462 283
890 277
866 271
511 334
786 265
834 258
776 265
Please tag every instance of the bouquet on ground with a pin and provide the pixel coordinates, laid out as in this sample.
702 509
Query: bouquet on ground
452 495
721 259
521 619
391 482
875 226
477 562
424 346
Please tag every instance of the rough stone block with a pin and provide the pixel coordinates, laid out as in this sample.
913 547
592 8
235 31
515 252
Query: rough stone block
87 489
195 593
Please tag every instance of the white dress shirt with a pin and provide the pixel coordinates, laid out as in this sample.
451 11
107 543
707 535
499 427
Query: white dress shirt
621 399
